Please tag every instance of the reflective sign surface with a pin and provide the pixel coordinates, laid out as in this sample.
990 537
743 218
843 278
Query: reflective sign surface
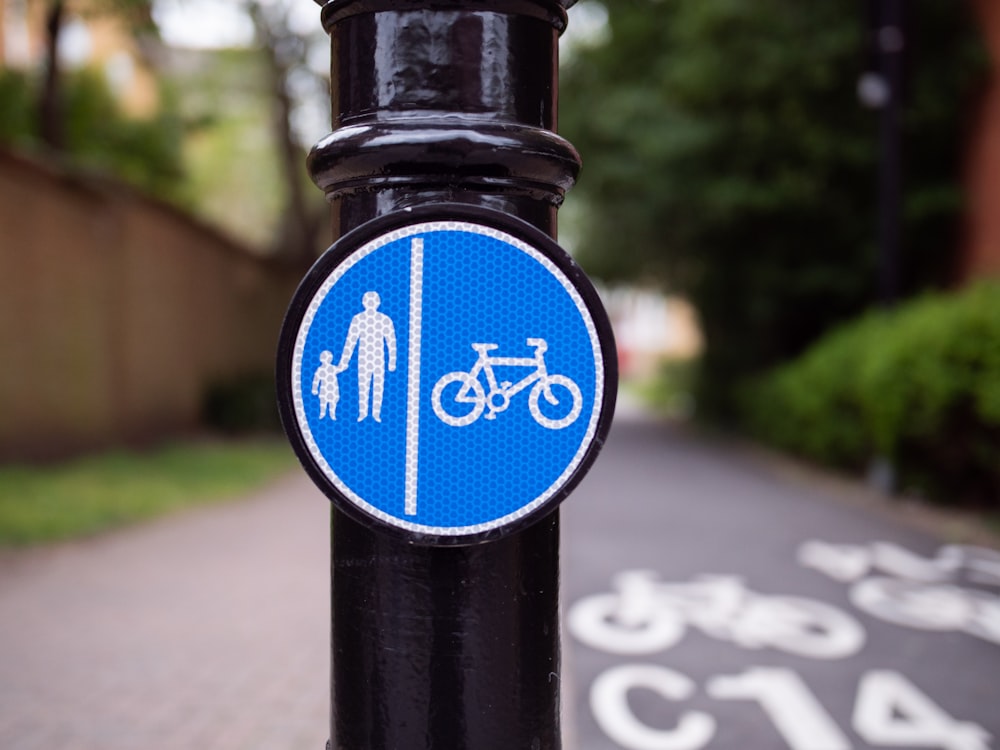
447 377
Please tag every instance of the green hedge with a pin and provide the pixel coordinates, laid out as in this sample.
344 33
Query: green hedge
919 386
242 404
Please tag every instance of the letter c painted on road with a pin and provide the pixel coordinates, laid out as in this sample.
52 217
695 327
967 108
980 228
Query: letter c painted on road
609 703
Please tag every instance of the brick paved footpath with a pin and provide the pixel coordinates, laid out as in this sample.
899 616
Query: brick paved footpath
208 630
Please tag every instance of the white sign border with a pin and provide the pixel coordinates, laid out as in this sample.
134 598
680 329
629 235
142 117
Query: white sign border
299 404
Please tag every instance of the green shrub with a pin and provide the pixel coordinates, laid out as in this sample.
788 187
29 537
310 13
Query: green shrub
15 108
919 386
242 404
670 390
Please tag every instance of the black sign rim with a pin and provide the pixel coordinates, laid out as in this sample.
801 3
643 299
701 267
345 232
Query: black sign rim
343 248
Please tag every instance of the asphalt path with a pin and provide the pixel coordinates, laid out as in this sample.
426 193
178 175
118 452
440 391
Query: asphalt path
209 629
774 611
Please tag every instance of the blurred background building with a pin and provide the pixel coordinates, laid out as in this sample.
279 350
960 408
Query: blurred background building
981 256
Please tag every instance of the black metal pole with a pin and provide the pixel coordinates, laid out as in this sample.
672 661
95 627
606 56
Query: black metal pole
444 101
890 41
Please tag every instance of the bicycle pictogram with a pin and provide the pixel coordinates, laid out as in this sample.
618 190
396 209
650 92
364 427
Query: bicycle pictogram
467 399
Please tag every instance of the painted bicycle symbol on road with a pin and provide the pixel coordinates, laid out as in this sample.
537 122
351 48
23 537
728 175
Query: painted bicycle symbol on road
459 398
645 615
957 590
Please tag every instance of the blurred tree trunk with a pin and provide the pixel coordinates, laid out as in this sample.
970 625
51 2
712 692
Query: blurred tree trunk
50 114
285 52
137 14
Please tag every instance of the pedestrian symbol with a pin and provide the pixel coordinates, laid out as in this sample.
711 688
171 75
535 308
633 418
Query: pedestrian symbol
325 385
503 389
372 332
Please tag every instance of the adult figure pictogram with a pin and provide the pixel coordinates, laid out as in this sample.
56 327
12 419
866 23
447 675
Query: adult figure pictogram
373 334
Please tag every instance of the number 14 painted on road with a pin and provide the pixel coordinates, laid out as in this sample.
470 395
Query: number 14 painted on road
889 711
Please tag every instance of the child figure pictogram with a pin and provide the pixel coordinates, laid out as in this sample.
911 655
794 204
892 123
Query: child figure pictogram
325 385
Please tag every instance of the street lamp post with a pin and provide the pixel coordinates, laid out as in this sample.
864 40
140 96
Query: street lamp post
881 88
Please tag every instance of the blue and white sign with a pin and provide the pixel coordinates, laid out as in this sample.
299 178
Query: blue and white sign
447 378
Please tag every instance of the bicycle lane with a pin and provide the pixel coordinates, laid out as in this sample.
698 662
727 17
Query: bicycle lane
825 625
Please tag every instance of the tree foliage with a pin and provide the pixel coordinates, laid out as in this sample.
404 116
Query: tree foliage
74 115
96 134
135 15
726 156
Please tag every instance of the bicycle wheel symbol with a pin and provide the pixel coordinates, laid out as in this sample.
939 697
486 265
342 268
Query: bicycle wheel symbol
558 390
466 402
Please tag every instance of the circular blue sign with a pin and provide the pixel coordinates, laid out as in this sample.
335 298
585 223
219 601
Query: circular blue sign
447 378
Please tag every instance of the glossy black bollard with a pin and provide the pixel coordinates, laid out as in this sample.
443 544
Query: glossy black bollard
444 101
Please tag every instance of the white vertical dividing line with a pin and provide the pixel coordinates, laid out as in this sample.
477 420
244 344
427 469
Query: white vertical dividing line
413 374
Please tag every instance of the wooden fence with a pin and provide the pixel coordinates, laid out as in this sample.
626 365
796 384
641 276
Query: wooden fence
117 313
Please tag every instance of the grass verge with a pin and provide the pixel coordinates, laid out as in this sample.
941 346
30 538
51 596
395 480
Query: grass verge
88 495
